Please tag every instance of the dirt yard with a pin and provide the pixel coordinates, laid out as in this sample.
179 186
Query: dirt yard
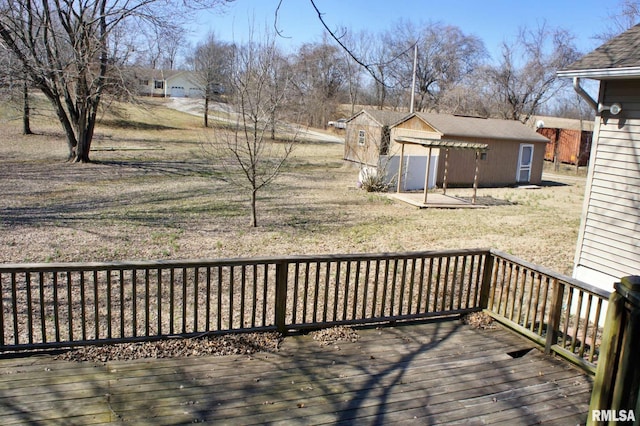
152 193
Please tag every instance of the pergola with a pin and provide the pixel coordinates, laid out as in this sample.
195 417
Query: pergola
445 144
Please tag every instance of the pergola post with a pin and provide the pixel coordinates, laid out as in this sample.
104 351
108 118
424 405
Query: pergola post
426 177
446 171
400 168
475 178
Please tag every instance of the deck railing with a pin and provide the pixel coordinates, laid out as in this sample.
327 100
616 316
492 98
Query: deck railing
58 305
561 314
71 304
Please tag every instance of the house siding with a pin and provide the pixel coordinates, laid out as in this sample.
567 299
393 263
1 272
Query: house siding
173 83
184 85
612 201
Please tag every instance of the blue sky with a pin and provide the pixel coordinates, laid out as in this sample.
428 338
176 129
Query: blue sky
492 20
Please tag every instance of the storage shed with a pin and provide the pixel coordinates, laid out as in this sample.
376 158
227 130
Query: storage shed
368 136
608 245
513 153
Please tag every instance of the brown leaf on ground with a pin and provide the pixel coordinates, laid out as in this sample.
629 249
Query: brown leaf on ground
239 344
332 335
479 320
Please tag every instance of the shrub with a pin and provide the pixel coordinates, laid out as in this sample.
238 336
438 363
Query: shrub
373 181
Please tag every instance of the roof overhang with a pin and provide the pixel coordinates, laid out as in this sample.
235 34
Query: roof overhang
602 73
442 143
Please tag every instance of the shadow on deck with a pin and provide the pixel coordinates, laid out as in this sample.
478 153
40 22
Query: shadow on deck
425 373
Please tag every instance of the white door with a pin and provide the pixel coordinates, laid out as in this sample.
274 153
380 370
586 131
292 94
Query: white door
525 159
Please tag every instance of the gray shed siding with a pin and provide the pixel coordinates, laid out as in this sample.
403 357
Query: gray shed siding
608 241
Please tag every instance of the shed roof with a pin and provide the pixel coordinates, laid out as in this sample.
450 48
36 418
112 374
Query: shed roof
382 117
562 123
456 126
618 57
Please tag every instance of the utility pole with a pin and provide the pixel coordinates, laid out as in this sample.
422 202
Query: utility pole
413 80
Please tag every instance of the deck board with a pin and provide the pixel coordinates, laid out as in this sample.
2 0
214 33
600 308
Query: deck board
435 372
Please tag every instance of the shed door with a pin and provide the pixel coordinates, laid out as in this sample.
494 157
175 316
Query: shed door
525 159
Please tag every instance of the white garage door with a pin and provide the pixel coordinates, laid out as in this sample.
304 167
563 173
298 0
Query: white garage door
177 92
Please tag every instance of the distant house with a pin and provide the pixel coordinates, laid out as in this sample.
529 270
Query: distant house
168 83
609 239
514 153
569 139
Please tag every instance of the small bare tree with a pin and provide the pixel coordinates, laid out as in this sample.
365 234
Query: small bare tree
251 159
212 64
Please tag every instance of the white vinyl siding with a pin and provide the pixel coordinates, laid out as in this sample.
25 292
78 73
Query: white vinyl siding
610 230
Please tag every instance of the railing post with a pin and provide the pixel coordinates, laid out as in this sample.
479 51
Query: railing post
617 381
555 312
282 276
485 286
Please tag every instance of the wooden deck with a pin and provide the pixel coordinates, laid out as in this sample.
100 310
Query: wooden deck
431 373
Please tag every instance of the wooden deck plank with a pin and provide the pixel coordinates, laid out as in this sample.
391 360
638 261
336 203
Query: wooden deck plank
463 386
259 367
356 406
442 370
295 391
58 373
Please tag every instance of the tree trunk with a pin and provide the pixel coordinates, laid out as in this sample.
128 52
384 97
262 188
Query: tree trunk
84 133
206 110
273 124
26 110
84 147
254 217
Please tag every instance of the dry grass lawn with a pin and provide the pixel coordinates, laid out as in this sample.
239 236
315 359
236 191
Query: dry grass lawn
153 194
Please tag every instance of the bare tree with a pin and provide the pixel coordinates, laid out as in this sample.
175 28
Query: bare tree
14 86
173 44
353 80
445 57
212 65
252 161
158 47
380 55
320 78
525 77
67 50
467 97
628 15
